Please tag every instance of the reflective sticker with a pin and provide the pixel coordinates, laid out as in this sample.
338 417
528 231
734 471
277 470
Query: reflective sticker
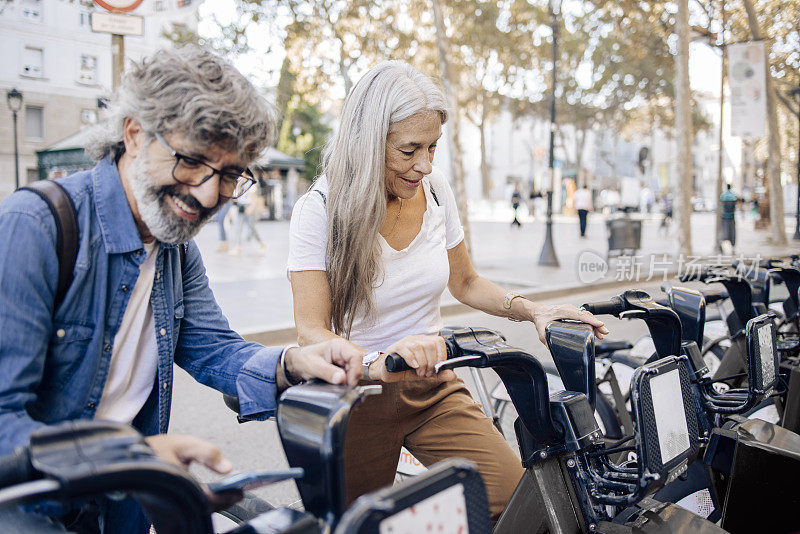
445 513
670 415
767 356
699 503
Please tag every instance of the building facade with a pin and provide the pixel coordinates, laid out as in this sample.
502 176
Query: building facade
63 68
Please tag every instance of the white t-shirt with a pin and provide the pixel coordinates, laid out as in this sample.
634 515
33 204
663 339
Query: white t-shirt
583 199
134 356
410 287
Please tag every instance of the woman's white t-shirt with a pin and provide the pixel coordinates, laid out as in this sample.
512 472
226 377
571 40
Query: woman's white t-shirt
409 289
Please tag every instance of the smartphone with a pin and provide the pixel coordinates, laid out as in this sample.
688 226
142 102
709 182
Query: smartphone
254 479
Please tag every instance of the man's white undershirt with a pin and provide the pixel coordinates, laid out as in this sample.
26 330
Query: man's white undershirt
134 356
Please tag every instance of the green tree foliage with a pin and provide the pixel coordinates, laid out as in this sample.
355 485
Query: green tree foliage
303 135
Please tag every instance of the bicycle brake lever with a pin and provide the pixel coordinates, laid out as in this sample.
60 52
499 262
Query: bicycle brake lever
461 361
633 314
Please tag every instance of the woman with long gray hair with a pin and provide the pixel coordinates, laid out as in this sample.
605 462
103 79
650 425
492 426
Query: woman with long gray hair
373 245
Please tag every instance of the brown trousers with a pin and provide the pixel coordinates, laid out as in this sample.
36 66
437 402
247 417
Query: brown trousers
434 420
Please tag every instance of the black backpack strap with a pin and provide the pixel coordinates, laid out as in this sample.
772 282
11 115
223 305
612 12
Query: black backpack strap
64 215
182 255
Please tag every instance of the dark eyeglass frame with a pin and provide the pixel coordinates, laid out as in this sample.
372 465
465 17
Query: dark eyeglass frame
246 175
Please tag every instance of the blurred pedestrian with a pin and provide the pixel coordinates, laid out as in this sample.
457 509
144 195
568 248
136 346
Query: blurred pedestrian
583 203
646 200
516 199
728 228
250 206
610 199
666 206
223 236
533 199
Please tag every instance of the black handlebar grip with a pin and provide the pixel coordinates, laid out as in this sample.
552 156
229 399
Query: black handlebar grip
396 364
16 468
605 307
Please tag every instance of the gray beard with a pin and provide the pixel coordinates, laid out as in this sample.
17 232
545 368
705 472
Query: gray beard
159 218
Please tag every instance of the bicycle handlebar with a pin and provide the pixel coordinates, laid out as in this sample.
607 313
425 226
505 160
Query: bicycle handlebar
663 323
614 306
521 373
396 364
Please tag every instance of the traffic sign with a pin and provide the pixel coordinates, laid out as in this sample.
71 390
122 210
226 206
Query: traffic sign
117 23
118 6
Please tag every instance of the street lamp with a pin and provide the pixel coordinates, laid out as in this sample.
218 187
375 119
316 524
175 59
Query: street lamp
548 255
796 95
14 99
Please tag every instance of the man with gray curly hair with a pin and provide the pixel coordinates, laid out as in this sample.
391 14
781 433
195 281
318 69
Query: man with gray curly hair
184 128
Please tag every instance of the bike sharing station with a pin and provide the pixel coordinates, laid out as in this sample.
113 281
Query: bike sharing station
678 448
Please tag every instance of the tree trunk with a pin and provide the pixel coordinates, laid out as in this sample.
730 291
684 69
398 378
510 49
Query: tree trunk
343 68
683 126
453 133
720 161
580 146
486 180
773 140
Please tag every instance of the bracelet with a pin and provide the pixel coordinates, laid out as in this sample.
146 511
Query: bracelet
507 300
289 378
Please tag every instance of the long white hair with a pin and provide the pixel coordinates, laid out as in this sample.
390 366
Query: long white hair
355 166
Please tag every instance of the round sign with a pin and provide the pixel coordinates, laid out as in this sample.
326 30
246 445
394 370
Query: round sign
118 6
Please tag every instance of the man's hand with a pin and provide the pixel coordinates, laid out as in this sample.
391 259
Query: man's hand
542 315
421 353
336 361
182 450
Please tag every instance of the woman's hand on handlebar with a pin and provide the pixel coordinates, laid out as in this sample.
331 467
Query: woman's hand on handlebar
542 315
421 353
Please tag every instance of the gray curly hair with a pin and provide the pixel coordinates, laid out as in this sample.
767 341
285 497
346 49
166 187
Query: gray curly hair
192 91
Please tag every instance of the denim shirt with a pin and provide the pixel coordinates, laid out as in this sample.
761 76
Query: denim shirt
53 366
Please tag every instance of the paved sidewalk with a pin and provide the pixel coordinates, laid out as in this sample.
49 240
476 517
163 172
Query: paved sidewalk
254 292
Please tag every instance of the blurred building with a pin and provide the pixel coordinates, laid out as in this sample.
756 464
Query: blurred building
279 179
63 68
517 152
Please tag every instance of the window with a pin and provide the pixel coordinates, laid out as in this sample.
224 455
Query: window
32 62
86 19
34 122
31 10
159 5
87 69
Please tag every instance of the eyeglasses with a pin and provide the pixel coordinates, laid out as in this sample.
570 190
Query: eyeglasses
195 172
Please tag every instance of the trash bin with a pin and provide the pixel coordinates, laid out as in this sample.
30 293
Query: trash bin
624 235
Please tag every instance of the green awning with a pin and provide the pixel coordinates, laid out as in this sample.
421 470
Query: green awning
65 157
